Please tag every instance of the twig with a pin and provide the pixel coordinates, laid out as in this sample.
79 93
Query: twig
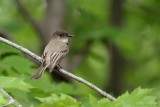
37 58
10 98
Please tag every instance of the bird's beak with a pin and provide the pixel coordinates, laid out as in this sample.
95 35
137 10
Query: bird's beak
70 35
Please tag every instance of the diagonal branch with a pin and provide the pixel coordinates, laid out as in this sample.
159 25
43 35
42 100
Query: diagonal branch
10 98
37 58
25 13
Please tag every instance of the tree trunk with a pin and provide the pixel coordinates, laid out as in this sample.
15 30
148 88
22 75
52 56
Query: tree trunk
53 20
117 61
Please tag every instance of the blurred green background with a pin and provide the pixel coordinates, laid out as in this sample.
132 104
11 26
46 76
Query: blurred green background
115 46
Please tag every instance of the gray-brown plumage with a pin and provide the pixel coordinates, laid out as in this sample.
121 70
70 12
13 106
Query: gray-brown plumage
55 50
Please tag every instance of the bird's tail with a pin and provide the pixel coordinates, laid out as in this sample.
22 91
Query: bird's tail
39 72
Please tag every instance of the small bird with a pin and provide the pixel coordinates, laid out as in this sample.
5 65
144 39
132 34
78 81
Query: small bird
53 53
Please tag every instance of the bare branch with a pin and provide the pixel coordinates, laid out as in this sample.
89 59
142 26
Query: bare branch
37 58
10 98
25 13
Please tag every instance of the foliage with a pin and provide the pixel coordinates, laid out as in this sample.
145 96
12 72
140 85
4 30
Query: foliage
138 98
17 82
14 83
3 101
59 101
137 40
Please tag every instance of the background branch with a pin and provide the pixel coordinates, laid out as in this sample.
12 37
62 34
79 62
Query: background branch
26 14
37 58
10 98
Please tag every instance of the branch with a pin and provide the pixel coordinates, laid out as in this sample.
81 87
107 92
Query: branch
25 13
37 58
10 98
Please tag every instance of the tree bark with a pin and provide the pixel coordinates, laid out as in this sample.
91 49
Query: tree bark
53 19
117 60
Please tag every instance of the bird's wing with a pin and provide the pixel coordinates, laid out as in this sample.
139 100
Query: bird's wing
57 56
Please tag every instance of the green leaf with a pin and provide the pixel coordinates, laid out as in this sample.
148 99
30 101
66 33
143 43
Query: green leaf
8 49
138 98
14 83
59 101
20 64
3 101
93 100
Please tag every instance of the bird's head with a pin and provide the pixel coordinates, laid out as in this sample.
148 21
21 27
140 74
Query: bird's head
62 35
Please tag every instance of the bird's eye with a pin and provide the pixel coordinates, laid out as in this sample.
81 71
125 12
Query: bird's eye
63 34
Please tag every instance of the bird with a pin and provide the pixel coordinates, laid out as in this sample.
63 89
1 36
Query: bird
54 52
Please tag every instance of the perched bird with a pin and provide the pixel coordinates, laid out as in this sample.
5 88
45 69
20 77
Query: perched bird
53 53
